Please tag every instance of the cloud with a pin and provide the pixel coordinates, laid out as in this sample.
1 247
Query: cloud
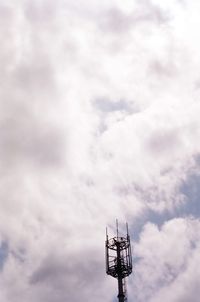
3 253
99 119
166 260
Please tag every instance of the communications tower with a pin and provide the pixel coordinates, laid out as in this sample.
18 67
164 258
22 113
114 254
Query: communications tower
119 260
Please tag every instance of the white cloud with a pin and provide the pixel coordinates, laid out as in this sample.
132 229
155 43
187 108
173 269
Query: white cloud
167 258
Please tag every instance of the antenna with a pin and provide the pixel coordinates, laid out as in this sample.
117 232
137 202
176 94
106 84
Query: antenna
127 229
117 228
119 260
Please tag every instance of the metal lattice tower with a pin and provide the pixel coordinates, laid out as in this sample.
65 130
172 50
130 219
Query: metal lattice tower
119 260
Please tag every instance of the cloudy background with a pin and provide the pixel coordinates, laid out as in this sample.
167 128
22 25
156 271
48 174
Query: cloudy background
99 118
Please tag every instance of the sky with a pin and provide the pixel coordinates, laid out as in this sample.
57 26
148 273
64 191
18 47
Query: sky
99 119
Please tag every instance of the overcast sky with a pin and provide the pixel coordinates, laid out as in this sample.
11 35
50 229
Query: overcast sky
99 119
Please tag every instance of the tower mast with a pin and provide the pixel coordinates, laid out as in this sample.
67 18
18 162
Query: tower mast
119 260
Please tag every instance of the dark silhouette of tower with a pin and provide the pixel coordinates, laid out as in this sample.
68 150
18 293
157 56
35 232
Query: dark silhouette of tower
119 260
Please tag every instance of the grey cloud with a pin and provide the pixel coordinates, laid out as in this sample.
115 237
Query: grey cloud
4 250
27 139
107 105
70 276
36 78
162 141
149 195
159 68
40 11
197 159
71 266
116 21
50 270
28 89
20 254
190 188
